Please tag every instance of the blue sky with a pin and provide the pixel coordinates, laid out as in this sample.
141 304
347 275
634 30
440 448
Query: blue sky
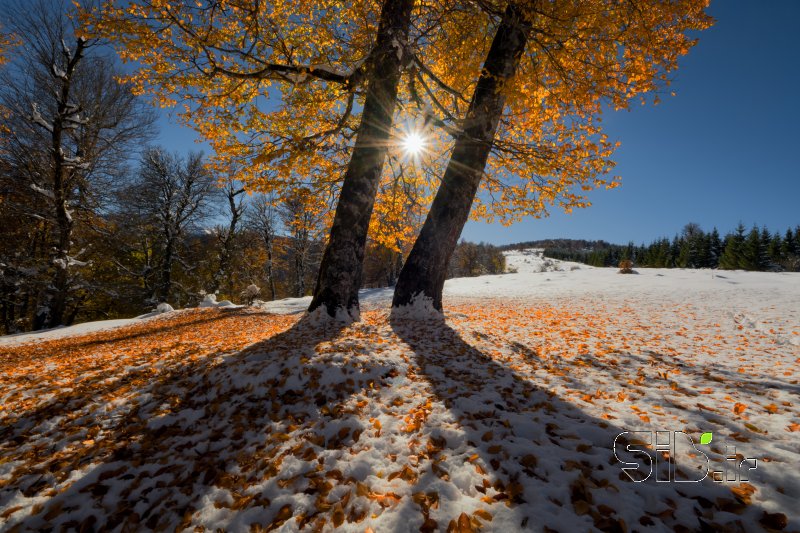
724 150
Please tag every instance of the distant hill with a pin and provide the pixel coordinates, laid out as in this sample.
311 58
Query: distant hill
565 245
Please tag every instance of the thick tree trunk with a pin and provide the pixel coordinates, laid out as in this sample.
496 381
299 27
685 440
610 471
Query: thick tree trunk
60 283
51 313
341 267
426 267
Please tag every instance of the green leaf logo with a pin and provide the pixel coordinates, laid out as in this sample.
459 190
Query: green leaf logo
705 438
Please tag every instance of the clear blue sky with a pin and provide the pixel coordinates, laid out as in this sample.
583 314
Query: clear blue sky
725 149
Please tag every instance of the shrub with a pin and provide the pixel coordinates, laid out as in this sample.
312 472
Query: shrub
626 267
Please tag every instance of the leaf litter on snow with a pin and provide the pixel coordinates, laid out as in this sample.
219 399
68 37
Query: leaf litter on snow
501 417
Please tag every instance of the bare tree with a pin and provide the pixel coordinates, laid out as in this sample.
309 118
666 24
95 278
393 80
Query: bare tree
174 193
70 128
226 237
263 218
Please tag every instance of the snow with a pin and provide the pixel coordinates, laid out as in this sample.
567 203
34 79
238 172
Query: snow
46 192
502 416
70 331
164 307
210 300
420 308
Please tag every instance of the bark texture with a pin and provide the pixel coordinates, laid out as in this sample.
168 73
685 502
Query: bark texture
51 311
341 267
426 267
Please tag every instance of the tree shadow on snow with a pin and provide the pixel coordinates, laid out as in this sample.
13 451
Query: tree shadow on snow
553 464
211 434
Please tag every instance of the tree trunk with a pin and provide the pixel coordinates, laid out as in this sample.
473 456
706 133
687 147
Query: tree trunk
267 236
426 267
300 266
226 252
51 313
341 267
165 283
60 283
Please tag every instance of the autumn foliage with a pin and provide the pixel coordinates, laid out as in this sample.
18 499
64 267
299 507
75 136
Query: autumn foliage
279 88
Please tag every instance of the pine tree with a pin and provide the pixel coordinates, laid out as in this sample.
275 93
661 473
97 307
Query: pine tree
732 254
675 252
754 251
764 259
790 250
715 249
788 245
797 240
775 250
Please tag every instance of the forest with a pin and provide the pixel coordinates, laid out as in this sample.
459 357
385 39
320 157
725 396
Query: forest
100 222
166 229
756 249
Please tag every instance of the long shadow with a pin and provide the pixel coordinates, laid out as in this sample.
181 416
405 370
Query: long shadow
82 394
215 430
553 464
124 335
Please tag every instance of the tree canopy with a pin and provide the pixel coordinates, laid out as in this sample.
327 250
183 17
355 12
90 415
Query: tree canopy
278 84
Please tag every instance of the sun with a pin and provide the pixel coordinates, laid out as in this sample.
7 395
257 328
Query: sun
413 143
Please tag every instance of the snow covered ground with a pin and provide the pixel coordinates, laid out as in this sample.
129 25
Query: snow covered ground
72 331
501 417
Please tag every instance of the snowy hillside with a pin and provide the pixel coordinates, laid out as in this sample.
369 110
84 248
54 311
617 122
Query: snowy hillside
532 261
503 417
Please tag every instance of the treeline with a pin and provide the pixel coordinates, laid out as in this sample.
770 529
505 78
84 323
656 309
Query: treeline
561 245
170 231
469 260
92 228
756 249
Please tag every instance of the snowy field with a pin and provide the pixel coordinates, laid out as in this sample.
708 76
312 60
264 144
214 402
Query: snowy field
502 417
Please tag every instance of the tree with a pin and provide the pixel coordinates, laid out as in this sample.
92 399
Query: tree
340 272
693 251
734 246
70 128
426 267
790 251
192 56
715 248
774 251
754 251
263 219
226 237
172 192
301 214
571 57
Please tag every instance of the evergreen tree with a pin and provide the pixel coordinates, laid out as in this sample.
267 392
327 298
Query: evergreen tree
754 252
765 259
734 244
775 250
797 240
790 250
714 249
675 252
788 245
691 249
